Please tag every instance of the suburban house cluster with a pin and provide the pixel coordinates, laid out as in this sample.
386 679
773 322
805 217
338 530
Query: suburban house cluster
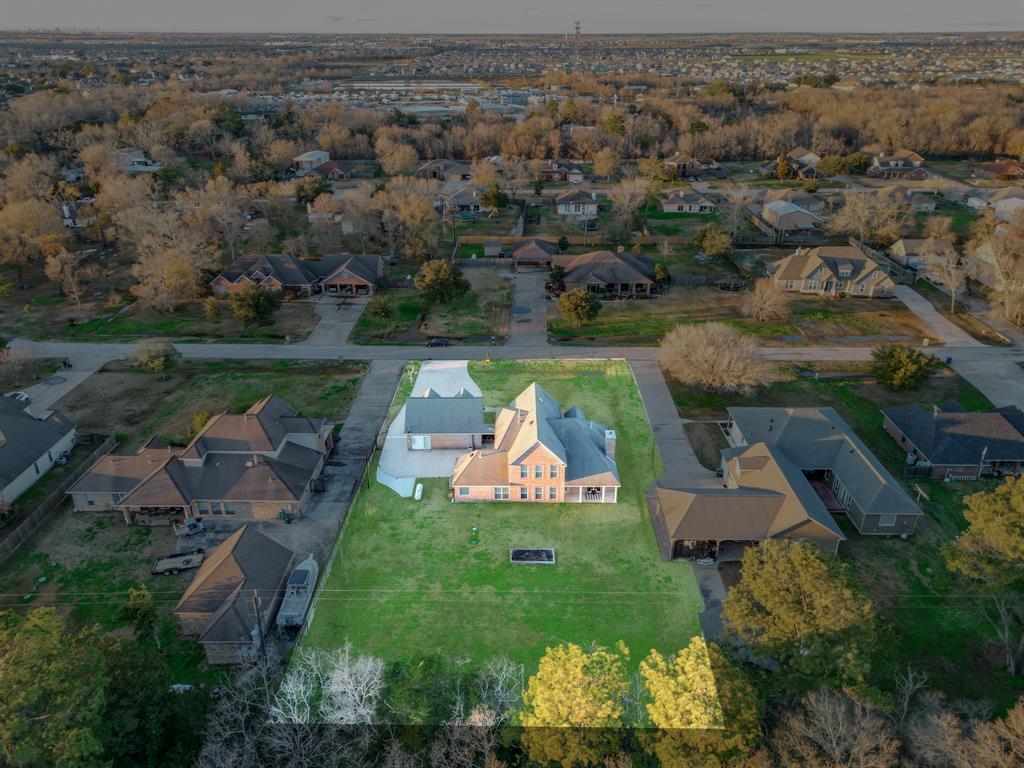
786 472
259 465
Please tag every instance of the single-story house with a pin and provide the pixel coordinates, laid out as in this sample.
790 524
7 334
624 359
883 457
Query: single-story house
781 218
443 170
343 274
540 454
946 441
309 161
581 205
921 203
562 170
232 602
433 422
260 465
802 163
78 214
911 252
686 201
1000 169
901 164
332 170
832 270
786 472
798 197
464 201
534 253
134 161
603 272
29 446
689 167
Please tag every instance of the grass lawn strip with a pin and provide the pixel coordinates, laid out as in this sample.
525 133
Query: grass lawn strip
406 579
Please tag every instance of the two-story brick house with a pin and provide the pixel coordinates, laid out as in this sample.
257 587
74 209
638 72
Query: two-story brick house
540 454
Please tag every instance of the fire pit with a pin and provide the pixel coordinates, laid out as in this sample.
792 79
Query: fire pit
531 556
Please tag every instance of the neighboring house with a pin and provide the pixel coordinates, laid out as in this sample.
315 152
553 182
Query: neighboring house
134 161
912 252
948 442
803 164
343 274
689 167
260 465
540 455
603 272
1001 169
686 201
79 214
29 446
309 161
786 473
232 602
332 170
444 170
433 422
901 164
464 201
562 170
534 253
580 205
781 218
1008 203
921 203
832 270
797 197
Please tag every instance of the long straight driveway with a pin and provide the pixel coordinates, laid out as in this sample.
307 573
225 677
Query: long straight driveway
528 325
680 464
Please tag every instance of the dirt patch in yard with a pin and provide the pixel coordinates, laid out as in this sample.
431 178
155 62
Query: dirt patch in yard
707 440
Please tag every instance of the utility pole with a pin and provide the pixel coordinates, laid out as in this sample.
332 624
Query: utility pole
259 621
576 61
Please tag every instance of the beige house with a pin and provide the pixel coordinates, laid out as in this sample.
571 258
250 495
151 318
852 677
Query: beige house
232 601
260 465
540 454
832 270
913 252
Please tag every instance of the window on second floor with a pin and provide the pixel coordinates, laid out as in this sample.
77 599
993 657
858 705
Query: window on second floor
538 471
524 471
553 470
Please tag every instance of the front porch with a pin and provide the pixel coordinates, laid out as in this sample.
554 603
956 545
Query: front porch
591 494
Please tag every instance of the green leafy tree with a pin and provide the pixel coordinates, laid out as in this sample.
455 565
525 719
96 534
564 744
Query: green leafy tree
538 187
575 688
309 188
712 240
661 274
831 165
255 304
557 276
51 693
898 366
782 169
990 554
563 244
199 421
440 281
380 308
578 306
804 611
156 356
140 611
706 711
494 198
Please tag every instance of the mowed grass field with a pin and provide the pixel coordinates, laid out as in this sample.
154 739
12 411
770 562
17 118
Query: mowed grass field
406 579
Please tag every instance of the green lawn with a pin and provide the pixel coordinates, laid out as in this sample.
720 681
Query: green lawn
962 217
935 628
406 579
813 320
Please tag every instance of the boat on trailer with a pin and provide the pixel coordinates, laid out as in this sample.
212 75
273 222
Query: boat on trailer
298 595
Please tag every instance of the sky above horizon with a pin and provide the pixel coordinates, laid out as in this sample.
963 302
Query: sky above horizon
514 16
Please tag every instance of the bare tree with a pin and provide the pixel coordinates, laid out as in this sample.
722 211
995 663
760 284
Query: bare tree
908 685
500 685
836 731
870 217
65 269
170 262
664 246
352 688
949 265
484 173
715 356
767 301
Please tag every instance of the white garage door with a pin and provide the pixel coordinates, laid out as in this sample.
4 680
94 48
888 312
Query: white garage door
421 442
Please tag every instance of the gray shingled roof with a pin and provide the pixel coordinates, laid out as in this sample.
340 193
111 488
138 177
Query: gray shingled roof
952 436
24 438
432 414
607 268
818 438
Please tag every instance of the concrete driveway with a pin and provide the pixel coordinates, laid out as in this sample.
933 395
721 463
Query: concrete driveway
337 318
951 335
529 321
399 467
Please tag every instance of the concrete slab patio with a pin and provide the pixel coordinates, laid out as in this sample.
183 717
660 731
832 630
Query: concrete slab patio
399 467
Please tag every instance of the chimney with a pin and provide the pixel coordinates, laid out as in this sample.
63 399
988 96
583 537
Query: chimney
521 414
609 443
593 195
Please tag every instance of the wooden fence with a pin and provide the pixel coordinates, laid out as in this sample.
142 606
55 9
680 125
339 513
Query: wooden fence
10 543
